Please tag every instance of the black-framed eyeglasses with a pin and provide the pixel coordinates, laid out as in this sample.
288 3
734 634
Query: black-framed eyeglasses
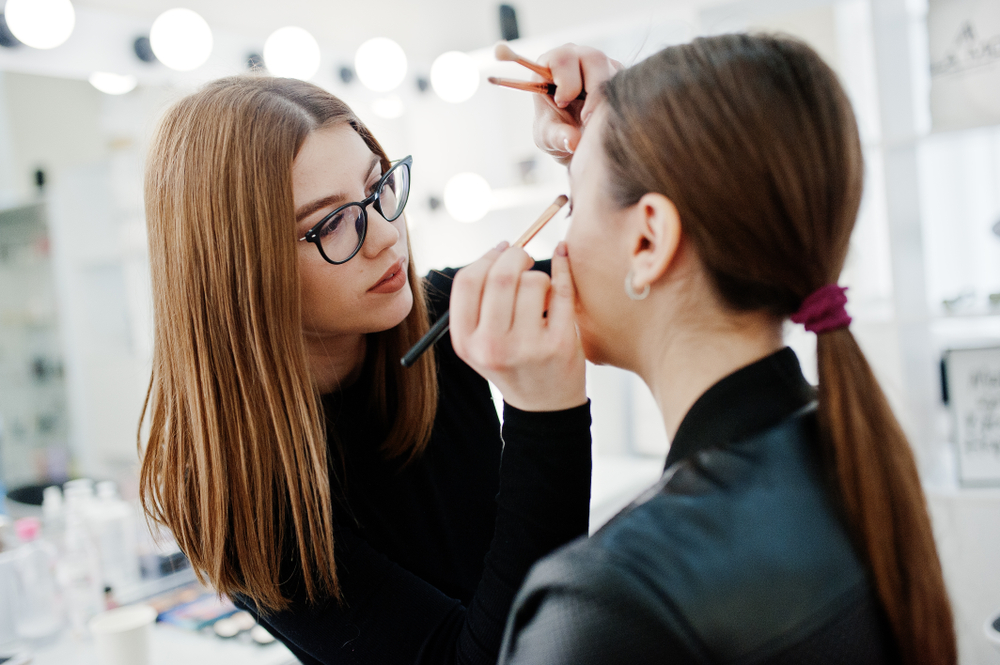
340 235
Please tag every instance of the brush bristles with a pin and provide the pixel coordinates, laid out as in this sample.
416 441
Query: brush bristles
504 52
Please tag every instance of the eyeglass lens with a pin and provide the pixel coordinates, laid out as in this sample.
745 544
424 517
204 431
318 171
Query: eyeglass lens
395 189
344 232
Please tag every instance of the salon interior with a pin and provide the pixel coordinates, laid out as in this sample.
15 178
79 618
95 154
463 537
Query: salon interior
83 82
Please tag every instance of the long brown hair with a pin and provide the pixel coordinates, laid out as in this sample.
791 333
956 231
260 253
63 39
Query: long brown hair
236 463
754 141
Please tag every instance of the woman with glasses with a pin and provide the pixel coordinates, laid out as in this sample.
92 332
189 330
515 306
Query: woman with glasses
359 509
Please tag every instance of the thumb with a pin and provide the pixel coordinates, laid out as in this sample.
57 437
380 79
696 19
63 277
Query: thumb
562 303
569 139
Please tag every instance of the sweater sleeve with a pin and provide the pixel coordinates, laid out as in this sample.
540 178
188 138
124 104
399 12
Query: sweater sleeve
390 615
544 502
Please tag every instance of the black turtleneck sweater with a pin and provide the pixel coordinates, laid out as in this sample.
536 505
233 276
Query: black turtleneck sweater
430 553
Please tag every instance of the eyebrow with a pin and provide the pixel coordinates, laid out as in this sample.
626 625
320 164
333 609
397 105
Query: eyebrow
333 199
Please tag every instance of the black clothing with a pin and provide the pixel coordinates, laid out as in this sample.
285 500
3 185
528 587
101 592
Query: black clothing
430 554
737 555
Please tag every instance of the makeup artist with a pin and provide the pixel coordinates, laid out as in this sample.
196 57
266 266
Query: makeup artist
364 512
714 192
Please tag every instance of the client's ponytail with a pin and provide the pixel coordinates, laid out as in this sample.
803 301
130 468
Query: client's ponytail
880 493
754 141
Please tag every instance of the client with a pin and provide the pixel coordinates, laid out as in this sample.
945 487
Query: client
713 195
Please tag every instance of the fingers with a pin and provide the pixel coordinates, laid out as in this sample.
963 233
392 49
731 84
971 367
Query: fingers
564 63
597 68
532 294
501 290
562 299
466 298
559 120
556 131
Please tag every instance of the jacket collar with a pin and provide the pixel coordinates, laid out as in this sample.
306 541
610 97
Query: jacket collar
747 401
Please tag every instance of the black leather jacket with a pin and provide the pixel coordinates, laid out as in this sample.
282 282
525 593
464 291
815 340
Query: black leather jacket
737 555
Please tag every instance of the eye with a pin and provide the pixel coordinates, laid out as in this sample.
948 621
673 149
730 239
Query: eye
331 226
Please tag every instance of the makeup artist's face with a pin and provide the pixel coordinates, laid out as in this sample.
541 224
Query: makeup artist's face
334 167
598 254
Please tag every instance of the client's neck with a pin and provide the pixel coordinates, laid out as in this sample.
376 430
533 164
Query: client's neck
691 357
335 361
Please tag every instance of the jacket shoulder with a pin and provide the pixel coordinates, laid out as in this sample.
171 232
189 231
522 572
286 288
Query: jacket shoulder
737 553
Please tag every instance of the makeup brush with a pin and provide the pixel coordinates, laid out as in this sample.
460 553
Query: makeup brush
438 330
538 87
506 54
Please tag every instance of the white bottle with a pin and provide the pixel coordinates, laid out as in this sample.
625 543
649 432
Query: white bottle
78 569
39 613
53 516
112 525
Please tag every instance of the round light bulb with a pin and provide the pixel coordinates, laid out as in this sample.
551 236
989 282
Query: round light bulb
181 39
380 64
455 76
468 197
389 107
292 52
113 84
40 23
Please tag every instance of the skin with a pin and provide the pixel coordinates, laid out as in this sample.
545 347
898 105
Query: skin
337 307
681 339
560 119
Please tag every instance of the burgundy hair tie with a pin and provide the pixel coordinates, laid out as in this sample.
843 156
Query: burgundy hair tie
824 310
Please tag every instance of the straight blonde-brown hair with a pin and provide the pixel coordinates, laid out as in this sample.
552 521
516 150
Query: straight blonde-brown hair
236 463
754 140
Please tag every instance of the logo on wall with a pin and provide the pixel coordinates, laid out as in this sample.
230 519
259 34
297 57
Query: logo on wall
964 37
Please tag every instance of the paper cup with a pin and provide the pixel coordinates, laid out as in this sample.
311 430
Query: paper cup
121 636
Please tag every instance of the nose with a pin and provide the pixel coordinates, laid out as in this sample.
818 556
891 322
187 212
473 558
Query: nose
381 235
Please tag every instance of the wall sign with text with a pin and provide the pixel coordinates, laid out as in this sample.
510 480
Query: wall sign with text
964 39
973 385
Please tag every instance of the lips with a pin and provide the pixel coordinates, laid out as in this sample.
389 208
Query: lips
392 280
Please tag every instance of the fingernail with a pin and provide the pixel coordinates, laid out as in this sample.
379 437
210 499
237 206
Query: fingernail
561 249
502 246
566 144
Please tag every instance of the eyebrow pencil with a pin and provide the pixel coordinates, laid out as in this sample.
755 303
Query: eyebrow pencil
438 330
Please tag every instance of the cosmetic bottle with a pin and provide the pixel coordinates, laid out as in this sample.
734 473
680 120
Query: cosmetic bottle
112 525
38 619
53 516
78 568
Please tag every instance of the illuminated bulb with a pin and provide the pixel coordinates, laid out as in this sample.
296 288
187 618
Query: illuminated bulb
113 84
455 76
181 39
292 52
388 107
40 23
468 197
380 64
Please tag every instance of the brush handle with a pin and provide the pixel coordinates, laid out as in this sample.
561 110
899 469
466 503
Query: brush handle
537 87
432 337
440 327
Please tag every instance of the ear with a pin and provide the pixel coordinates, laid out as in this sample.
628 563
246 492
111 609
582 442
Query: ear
657 226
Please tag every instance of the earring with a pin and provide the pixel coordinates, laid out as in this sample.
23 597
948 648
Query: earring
630 290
